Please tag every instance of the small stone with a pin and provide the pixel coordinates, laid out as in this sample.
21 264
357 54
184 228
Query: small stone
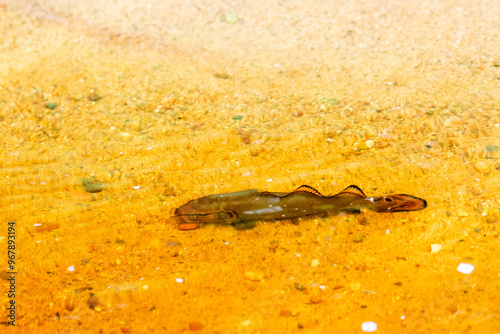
237 117
254 276
195 326
221 75
316 300
231 17
285 313
92 186
186 227
51 105
354 286
369 326
254 151
94 96
370 143
462 213
358 238
436 248
362 146
482 167
362 220
465 268
492 218
92 301
172 243
492 148
315 263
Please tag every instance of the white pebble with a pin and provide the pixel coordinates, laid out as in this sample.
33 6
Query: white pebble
136 187
369 326
465 268
436 248
179 280
72 268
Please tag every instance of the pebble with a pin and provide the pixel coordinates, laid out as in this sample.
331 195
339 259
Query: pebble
315 263
285 313
172 243
94 96
362 146
482 166
369 326
90 185
221 75
51 105
436 248
465 268
195 326
254 151
254 276
316 300
231 17
370 143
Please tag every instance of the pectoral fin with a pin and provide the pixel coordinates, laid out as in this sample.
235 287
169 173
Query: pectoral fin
352 211
245 225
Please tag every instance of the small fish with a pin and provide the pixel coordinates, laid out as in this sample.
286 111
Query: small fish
244 208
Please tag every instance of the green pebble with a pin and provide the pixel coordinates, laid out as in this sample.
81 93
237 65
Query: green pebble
492 148
91 186
237 117
231 17
51 105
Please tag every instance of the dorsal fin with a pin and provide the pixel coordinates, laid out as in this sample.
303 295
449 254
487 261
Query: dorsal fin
267 193
351 191
306 190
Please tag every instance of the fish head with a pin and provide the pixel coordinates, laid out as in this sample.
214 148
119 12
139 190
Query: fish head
398 202
203 211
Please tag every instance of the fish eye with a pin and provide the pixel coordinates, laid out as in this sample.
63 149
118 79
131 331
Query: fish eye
193 216
388 200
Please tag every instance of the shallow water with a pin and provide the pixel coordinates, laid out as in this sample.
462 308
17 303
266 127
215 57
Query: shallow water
107 130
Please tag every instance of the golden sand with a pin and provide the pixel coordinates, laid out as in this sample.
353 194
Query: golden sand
155 110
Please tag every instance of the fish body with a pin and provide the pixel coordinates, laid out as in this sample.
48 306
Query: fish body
242 209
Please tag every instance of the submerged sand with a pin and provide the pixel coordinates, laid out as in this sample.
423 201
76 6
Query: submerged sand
114 113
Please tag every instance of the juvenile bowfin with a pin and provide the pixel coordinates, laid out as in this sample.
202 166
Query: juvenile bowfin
351 191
